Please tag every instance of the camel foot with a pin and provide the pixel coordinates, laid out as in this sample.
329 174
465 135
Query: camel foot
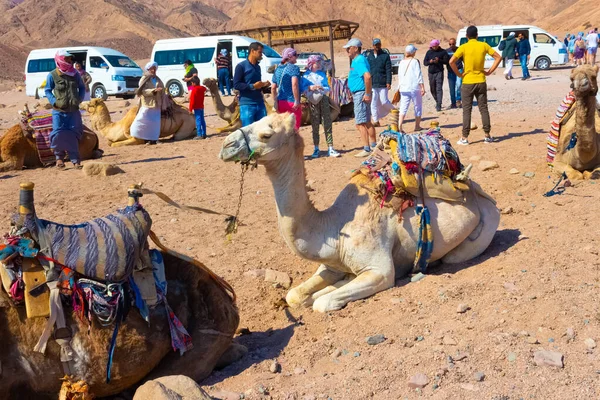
328 303
301 295
296 298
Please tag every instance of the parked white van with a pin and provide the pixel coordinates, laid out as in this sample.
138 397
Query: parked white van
170 55
112 72
546 50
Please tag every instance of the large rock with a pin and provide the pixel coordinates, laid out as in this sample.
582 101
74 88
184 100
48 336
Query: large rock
419 381
175 387
548 358
100 169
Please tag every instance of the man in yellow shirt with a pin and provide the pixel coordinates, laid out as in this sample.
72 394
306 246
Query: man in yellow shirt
473 85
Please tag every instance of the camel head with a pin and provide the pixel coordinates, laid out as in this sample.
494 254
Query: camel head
267 138
92 105
584 80
212 84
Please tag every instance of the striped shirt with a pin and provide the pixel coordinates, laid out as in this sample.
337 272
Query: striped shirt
222 61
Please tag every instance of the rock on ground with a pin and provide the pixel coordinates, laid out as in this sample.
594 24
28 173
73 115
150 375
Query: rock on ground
590 343
271 276
376 339
548 358
488 165
462 308
100 169
514 171
418 381
175 387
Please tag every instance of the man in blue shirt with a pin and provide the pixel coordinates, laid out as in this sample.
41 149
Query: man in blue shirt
524 52
247 81
360 84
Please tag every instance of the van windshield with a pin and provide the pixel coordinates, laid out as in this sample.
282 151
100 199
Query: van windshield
242 52
121 61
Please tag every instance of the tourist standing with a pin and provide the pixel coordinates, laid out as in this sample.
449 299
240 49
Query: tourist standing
380 65
223 72
359 83
65 90
474 83
286 86
411 87
146 125
197 107
190 72
592 47
523 52
579 50
571 48
452 78
509 53
316 89
247 81
87 79
435 59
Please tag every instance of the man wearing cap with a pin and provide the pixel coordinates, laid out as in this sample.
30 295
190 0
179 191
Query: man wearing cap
381 73
435 59
509 52
473 85
359 83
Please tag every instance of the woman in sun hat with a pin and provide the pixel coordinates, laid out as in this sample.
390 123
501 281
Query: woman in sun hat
410 86
286 86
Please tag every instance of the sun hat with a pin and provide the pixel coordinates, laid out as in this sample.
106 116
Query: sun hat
353 43
410 49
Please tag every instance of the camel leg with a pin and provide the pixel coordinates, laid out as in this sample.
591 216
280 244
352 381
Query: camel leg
364 285
572 173
329 289
128 142
593 174
301 294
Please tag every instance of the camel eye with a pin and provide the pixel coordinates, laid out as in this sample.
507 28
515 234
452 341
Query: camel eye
265 135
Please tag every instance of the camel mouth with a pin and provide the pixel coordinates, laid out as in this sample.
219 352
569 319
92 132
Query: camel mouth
233 151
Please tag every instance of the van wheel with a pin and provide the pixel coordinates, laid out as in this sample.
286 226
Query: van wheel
99 92
175 89
542 63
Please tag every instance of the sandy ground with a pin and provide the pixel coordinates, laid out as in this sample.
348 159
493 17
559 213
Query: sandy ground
539 277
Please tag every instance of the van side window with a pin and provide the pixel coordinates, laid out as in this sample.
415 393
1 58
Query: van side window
43 65
493 41
177 57
97 62
542 38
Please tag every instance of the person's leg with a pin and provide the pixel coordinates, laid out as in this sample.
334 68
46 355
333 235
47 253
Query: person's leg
287 106
439 88
362 119
375 105
452 87
523 61
386 105
326 118
221 79
370 129
405 98
315 121
482 103
199 133
203 123
467 104
418 100
432 85
247 114
227 81
458 88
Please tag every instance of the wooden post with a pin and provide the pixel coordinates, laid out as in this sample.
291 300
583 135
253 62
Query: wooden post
269 41
331 51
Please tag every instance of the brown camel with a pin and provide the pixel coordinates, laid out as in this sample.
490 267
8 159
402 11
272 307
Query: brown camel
142 350
182 125
582 161
18 149
231 112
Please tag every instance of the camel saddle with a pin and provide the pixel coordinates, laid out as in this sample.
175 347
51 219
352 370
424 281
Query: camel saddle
38 126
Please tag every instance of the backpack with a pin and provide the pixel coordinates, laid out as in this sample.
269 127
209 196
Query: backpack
502 45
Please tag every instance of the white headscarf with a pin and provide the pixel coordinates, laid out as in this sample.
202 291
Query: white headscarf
150 65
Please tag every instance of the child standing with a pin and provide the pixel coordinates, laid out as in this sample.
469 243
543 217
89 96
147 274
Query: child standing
197 106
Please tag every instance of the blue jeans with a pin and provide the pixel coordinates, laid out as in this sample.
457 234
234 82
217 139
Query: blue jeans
250 113
523 61
452 84
200 123
458 86
224 81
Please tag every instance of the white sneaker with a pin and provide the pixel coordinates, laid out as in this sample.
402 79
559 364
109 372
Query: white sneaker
362 154
333 153
463 142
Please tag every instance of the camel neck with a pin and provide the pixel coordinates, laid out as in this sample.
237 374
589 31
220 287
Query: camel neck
103 120
587 146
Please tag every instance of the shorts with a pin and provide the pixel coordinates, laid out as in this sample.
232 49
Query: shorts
362 110
592 50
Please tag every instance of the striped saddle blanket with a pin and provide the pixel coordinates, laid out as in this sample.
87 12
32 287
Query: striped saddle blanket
555 125
41 125
107 248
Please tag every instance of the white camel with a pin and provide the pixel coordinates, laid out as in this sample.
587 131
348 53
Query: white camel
362 248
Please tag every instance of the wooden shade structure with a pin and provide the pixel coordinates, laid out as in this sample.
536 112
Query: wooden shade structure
289 35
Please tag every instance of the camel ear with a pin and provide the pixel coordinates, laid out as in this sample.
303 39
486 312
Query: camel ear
290 123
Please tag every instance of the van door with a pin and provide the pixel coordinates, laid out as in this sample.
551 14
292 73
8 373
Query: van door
226 44
544 50
99 70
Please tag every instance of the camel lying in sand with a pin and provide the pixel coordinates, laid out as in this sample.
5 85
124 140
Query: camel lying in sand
581 160
181 126
362 248
18 149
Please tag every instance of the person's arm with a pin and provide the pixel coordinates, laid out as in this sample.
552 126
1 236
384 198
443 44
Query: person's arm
445 58
192 100
81 86
296 92
388 72
426 60
454 67
497 60
326 87
48 90
368 87
239 82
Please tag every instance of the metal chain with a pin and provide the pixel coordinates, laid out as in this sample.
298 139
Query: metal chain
239 205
